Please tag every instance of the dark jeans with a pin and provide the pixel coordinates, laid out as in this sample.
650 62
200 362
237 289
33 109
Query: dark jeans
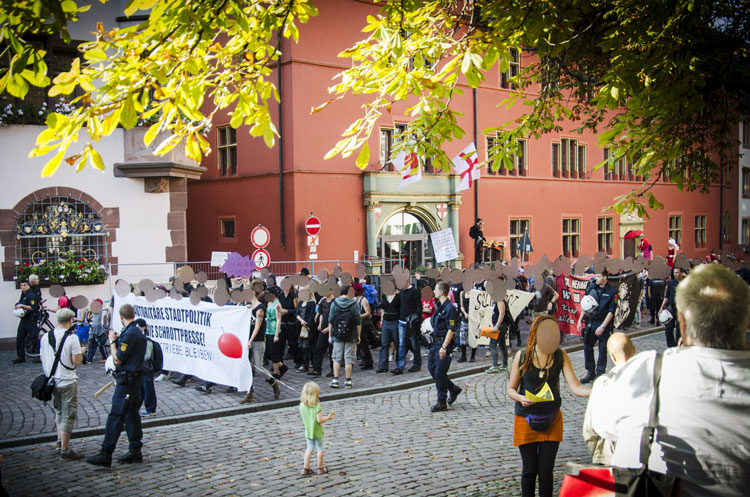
407 338
148 391
26 326
97 343
672 331
388 334
439 369
503 349
320 346
538 459
290 329
125 404
589 340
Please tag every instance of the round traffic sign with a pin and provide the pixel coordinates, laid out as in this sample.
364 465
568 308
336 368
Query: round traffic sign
261 258
312 225
260 236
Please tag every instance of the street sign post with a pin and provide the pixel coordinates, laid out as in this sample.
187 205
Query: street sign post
262 258
260 237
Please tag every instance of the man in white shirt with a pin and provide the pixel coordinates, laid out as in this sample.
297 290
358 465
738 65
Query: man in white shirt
65 397
703 423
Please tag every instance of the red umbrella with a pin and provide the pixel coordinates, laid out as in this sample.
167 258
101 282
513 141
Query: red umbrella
633 234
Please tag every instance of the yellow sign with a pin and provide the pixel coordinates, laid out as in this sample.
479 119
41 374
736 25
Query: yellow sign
544 395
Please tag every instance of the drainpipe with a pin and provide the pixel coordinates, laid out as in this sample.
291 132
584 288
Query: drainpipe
476 144
282 231
721 203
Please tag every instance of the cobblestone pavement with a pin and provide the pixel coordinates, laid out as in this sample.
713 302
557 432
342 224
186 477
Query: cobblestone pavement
380 445
23 416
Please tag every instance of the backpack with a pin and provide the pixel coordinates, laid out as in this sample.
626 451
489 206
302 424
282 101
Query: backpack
371 294
155 355
342 325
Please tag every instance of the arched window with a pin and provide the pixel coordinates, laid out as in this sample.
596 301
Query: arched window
61 239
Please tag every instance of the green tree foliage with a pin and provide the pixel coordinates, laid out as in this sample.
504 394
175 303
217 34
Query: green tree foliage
662 82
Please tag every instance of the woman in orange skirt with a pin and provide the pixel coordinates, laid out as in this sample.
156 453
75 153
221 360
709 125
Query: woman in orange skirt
538 426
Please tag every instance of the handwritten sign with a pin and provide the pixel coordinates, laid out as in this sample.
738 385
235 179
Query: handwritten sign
443 245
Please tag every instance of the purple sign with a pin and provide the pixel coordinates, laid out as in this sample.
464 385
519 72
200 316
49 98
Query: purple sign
238 266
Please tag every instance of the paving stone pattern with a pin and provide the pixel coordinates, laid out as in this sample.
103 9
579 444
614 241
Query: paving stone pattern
380 445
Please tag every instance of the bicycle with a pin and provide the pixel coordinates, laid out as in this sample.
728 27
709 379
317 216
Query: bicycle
44 325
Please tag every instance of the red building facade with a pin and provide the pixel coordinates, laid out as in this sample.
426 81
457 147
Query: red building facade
554 193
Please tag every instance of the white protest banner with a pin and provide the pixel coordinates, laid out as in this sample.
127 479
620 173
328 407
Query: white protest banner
443 245
480 315
518 300
204 340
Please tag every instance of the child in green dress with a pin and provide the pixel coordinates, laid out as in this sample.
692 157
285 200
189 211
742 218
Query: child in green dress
313 419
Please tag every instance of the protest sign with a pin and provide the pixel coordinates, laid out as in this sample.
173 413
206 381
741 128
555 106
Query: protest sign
443 245
480 315
568 314
203 340
628 292
517 301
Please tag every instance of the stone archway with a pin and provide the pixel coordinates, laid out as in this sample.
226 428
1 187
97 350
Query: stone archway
110 217
404 236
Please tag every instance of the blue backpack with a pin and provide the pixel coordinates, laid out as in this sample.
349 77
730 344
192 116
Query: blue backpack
371 294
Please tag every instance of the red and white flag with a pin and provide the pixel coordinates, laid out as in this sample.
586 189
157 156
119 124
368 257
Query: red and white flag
409 167
466 165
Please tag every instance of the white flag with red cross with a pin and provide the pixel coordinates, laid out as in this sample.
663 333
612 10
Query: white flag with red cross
409 167
466 165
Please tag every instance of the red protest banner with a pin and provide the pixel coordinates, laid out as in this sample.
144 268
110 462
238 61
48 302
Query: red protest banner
568 314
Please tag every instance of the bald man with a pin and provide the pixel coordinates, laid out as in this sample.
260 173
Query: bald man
620 349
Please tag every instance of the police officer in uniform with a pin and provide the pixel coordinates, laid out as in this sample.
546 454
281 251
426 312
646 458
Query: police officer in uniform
27 325
599 326
444 326
128 351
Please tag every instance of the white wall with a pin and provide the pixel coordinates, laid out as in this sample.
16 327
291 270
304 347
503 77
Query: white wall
744 203
142 235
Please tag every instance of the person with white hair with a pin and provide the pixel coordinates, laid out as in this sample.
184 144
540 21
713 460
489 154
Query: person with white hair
672 252
702 434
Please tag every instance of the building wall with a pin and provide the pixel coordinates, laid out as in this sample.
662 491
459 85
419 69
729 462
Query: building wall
138 219
744 167
333 188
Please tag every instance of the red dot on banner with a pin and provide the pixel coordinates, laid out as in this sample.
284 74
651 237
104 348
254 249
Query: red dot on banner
230 345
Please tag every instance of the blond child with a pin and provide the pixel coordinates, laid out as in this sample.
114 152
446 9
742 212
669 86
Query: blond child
313 419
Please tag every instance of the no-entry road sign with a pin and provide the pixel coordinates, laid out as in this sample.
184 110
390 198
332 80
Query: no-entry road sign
312 225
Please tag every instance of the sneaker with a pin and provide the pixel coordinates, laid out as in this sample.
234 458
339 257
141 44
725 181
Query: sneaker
203 388
492 369
334 383
488 353
301 369
348 383
71 455
414 369
161 377
390 357
502 367
58 445
147 414
397 371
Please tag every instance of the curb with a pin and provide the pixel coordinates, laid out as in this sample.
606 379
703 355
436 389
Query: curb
268 406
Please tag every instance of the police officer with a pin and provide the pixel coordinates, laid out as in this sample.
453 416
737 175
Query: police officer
128 351
599 325
444 326
27 325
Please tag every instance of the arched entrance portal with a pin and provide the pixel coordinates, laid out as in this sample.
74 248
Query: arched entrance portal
404 238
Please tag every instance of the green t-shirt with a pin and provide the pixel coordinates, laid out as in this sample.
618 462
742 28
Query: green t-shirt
313 429
271 318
